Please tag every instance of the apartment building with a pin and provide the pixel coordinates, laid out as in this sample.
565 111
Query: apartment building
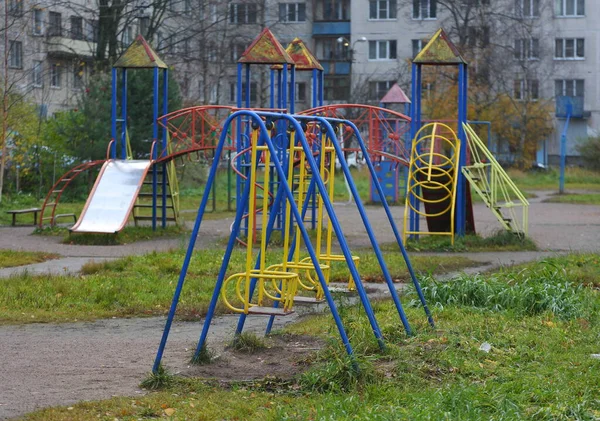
535 50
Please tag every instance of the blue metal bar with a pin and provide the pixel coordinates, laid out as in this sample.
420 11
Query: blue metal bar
238 177
190 250
285 86
164 146
461 195
113 114
155 96
563 149
272 90
321 85
315 97
247 86
124 115
390 217
292 88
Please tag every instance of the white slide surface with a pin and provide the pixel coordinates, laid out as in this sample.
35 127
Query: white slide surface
113 196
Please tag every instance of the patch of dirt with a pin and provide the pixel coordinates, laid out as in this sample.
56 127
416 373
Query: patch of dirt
284 357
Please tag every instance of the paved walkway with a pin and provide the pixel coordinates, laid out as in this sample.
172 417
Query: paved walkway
59 364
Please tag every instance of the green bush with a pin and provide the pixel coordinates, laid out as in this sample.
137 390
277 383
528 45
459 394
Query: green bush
590 152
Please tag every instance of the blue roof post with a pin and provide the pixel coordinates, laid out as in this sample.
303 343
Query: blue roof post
124 115
321 87
461 197
113 114
247 87
315 100
164 141
155 96
292 88
272 90
415 125
239 147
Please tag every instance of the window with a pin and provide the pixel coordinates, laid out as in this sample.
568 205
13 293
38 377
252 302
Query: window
15 55
382 50
55 75
527 8
76 27
38 22
78 74
233 89
527 49
54 24
569 48
336 88
15 7
144 23
91 30
160 40
236 52
300 93
417 46
569 8
241 13
187 6
424 9
382 9
211 52
569 87
526 89
377 90
292 12
331 49
332 10
479 36
37 74
127 36
213 12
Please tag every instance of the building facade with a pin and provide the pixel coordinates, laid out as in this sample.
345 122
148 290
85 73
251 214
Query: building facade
533 50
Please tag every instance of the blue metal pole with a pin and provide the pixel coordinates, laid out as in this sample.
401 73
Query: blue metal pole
113 114
563 150
164 146
155 97
415 125
124 115
190 250
239 146
285 86
390 217
248 83
292 88
461 197
321 85
315 82
272 96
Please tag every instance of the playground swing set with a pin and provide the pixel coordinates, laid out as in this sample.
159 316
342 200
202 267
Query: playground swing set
284 164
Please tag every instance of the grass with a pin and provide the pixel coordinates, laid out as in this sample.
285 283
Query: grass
11 258
248 342
144 285
577 199
128 235
539 366
575 178
499 241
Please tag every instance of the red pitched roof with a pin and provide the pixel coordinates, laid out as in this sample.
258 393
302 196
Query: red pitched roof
395 96
265 49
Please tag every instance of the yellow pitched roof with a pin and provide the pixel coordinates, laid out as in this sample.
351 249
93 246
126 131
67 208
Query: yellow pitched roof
265 49
439 50
140 55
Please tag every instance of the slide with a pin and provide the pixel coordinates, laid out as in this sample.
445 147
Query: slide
113 196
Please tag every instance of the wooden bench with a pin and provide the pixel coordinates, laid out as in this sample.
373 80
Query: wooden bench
16 212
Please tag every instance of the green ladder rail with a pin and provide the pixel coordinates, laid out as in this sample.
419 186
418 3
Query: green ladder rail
494 186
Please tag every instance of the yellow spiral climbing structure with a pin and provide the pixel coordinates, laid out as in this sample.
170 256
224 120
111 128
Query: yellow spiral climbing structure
432 180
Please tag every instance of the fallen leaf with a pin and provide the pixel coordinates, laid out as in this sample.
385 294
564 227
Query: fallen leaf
169 411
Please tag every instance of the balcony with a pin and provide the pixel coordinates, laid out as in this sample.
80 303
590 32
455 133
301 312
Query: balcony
572 103
331 28
64 47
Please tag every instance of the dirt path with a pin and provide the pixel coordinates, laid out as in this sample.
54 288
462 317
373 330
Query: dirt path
50 364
